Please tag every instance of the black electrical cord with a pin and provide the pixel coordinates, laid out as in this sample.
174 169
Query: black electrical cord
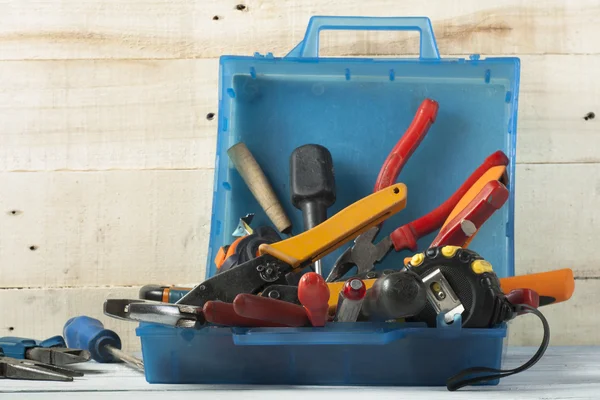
458 381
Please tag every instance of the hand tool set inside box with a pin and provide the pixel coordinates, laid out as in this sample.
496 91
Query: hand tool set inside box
362 225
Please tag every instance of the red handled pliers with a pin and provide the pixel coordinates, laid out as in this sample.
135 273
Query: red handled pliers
364 253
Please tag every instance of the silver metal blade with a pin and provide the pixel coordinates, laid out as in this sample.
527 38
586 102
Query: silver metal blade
126 358
11 368
58 355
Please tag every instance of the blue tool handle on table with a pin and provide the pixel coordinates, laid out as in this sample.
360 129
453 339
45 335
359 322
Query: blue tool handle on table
54 341
89 334
309 47
16 347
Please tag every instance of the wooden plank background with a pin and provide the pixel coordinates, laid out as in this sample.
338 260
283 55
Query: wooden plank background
106 151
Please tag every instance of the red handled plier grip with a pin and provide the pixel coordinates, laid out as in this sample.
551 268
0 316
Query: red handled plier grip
407 144
407 235
364 253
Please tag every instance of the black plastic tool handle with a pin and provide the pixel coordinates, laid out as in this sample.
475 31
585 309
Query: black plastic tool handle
312 183
397 295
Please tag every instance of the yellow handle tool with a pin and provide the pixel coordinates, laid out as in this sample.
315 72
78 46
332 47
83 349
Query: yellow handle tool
280 258
346 225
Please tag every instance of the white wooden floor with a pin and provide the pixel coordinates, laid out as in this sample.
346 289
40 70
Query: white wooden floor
564 373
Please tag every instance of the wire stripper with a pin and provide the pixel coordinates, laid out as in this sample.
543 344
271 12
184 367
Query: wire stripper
278 259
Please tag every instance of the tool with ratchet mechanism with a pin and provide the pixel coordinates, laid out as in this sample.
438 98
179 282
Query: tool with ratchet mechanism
278 259
244 248
474 284
441 284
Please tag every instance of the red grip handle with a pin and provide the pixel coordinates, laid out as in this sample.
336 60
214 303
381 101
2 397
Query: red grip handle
407 235
220 313
524 296
407 144
271 310
313 293
467 222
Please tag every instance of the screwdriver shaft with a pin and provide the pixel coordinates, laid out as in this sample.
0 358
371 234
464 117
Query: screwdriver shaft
319 267
126 358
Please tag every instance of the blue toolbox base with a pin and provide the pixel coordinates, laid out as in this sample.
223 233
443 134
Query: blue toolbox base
358 108
389 354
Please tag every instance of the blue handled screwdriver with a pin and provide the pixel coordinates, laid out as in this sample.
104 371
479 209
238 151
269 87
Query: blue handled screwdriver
103 344
50 351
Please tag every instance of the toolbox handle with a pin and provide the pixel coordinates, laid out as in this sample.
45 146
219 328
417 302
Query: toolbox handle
309 47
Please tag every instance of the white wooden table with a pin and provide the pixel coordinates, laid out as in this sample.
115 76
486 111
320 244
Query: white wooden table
563 373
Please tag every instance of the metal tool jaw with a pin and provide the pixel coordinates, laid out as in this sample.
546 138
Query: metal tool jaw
249 277
58 355
11 368
51 351
177 315
363 254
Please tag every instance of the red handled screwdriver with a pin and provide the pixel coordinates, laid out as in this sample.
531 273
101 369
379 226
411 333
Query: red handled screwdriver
350 300
313 293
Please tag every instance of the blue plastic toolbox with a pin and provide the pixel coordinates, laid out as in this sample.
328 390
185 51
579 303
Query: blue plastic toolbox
358 108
